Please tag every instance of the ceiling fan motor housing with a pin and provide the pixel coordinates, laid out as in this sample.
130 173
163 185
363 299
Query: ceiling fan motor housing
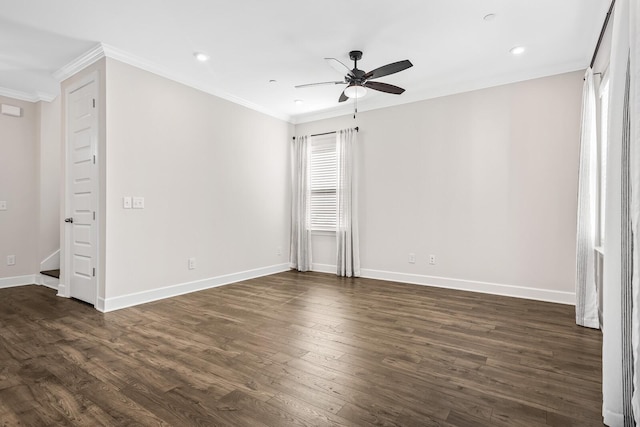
355 55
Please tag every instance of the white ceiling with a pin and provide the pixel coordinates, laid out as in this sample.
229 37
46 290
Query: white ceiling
253 41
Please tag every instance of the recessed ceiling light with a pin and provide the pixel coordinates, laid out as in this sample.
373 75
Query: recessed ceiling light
273 81
202 57
298 102
518 50
489 17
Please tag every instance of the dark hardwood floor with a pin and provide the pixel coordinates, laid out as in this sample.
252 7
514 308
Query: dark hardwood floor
298 349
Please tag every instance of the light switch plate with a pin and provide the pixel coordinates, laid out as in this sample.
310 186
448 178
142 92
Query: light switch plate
3 205
138 203
126 202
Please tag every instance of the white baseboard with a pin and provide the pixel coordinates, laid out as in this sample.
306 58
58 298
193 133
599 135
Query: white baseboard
52 262
10 282
62 291
463 285
324 268
116 303
48 281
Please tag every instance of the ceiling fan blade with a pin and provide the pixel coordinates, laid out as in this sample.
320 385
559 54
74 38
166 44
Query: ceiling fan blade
343 97
384 87
321 84
385 70
338 66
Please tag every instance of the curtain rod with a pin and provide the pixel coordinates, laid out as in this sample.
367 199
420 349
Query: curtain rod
604 28
330 133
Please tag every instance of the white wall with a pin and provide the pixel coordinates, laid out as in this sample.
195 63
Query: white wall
19 188
215 180
50 146
484 180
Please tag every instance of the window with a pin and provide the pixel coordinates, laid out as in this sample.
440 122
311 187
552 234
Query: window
602 157
323 172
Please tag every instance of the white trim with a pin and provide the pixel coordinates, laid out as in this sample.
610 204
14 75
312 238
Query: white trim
52 262
324 268
102 50
613 419
143 64
26 96
10 282
444 88
93 55
48 281
62 291
463 285
46 97
116 303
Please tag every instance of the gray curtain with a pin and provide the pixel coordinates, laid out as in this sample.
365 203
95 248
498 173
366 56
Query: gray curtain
300 247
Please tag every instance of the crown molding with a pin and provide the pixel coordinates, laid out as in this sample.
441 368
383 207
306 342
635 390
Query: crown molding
102 50
46 97
143 64
442 89
80 63
26 96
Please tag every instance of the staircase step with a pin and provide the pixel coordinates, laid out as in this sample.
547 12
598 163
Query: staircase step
51 273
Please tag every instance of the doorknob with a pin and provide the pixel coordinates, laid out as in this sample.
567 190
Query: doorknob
68 220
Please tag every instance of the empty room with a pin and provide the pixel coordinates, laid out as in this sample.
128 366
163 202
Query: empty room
278 213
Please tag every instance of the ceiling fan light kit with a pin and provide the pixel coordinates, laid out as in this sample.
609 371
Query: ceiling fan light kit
355 91
358 81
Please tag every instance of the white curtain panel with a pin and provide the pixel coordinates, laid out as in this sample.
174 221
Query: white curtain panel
619 360
348 251
634 141
586 290
614 395
300 247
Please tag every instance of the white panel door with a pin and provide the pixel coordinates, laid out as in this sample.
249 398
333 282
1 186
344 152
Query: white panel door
82 187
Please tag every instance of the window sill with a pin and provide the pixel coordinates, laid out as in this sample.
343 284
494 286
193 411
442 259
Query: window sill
323 233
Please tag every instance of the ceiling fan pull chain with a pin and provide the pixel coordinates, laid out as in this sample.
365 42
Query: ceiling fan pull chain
355 108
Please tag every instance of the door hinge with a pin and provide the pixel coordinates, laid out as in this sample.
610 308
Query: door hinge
94 272
94 159
94 216
94 103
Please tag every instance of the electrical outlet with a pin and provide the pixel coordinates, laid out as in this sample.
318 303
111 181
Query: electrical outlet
412 258
138 203
11 260
192 263
126 202
279 251
432 259
3 205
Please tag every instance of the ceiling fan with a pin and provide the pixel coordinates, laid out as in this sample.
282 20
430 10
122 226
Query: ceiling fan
358 81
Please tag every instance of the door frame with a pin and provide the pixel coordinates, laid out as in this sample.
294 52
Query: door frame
64 289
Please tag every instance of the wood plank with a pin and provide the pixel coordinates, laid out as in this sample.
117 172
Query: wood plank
298 349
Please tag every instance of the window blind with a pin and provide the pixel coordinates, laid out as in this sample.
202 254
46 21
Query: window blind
323 172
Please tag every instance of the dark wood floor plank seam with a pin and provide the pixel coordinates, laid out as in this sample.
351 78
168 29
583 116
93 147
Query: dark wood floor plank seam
298 349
